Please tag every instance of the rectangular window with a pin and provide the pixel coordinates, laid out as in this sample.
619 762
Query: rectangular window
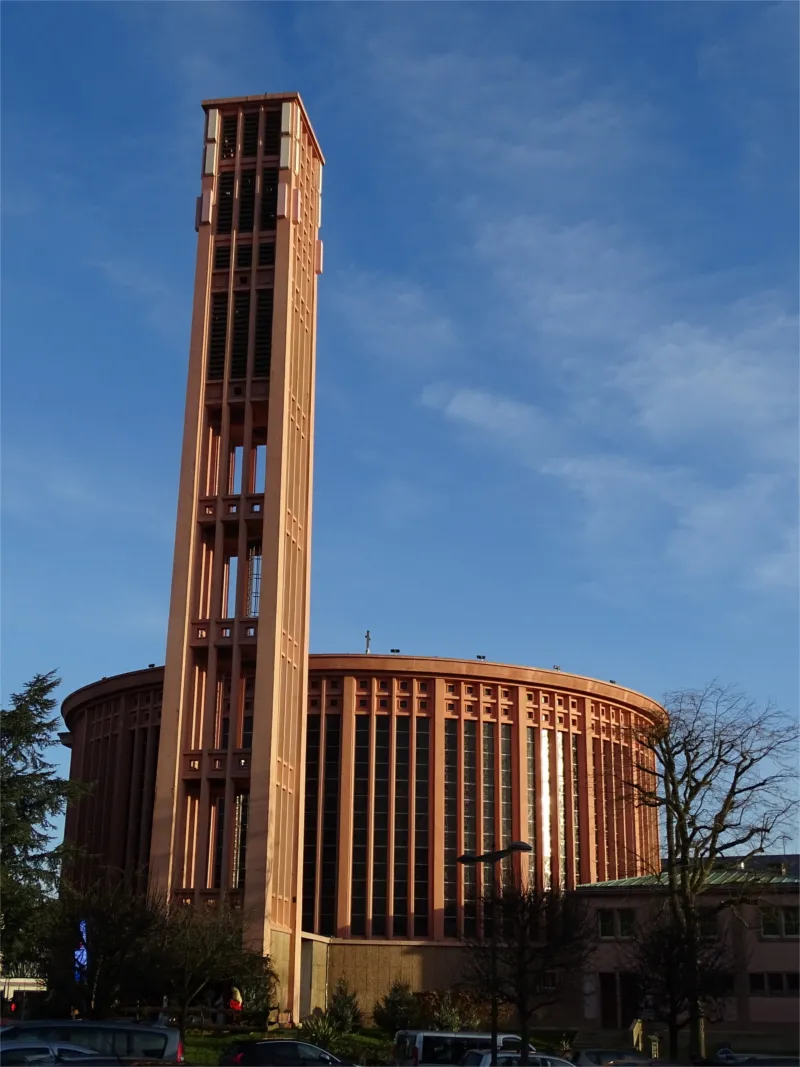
218 839
421 830
229 124
229 587
266 254
250 135
380 828
450 827
547 844
253 579
358 907
489 830
757 984
240 840
470 828
272 132
531 754
313 734
707 922
576 807
627 922
244 256
222 257
791 922
269 198
235 470
770 922
259 469
217 334
248 703
402 765
225 203
330 826
262 345
775 983
605 922
247 201
793 982
222 712
241 335
506 801
561 744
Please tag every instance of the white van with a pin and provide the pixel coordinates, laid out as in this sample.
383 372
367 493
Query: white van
433 1048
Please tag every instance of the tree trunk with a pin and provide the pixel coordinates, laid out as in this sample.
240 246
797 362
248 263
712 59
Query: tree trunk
673 1039
524 1033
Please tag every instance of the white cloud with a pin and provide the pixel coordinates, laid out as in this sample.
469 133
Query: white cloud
393 320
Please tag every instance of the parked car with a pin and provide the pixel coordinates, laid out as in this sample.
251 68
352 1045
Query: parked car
125 1040
279 1053
415 1048
477 1057
17 1053
604 1057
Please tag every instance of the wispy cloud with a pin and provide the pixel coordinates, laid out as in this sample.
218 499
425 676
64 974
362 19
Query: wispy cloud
393 321
165 308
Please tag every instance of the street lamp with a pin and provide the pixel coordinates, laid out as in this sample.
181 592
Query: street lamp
494 858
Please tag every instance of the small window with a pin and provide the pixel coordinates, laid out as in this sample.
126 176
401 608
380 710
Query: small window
451 689
334 683
545 698
793 982
244 256
404 685
605 922
470 707
470 690
383 685
334 703
383 703
363 683
362 703
222 257
403 703
774 983
266 254
791 922
627 922
423 705
314 703
423 687
451 707
757 983
487 692
770 923
505 692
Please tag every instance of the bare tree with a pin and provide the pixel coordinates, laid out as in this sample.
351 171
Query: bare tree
659 959
721 771
542 939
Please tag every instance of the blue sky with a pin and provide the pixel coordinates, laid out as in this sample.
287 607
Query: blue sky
557 366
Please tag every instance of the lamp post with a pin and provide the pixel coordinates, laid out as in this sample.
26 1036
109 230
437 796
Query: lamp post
494 858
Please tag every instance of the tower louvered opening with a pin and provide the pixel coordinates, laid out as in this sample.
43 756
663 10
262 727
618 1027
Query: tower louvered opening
247 200
250 135
241 333
272 133
266 254
269 198
229 136
218 329
225 203
222 257
244 256
262 348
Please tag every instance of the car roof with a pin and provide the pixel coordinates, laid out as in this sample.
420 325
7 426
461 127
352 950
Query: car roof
102 1024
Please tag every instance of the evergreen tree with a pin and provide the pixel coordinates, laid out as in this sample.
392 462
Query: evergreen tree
31 795
344 1009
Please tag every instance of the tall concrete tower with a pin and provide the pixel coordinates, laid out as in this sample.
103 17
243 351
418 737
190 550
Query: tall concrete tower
229 783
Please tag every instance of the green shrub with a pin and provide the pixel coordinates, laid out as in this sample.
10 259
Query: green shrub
343 1008
320 1029
449 1009
366 1050
397 1010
